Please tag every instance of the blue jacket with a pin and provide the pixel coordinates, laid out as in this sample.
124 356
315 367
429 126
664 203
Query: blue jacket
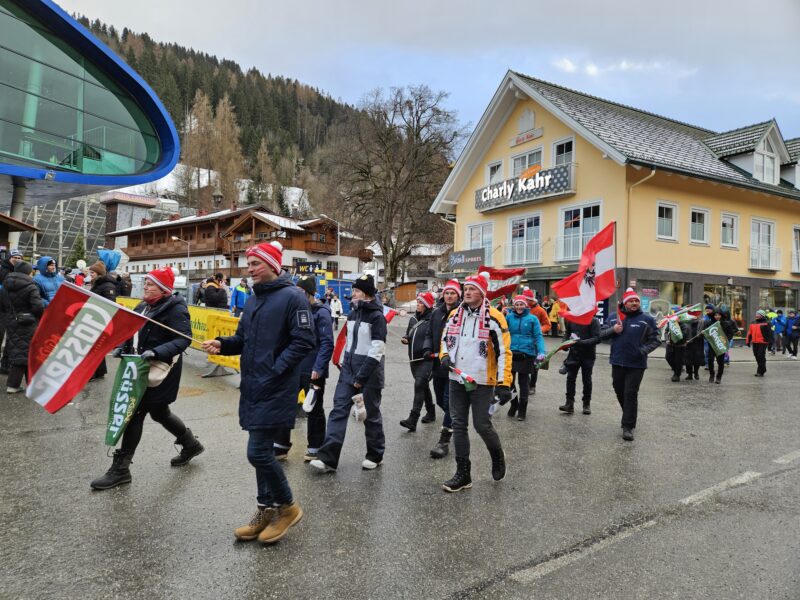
318 361
274 335
526 333
366 344
779 323
638 339
790 324
48 282
239 297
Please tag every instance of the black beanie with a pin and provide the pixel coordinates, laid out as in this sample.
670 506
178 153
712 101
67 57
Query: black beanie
308 284
23 267
366 283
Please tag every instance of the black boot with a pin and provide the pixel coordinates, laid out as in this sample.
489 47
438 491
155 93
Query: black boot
498 464
568 406
190 447
411 422
429 417
462 479
512 409
118 474
442 446
587 409
523 410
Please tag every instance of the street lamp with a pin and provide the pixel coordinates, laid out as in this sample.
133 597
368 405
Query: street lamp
188 268
338 250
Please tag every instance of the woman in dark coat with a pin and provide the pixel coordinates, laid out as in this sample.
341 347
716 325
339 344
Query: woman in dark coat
420 353
694 357
156 343
21 304
103 285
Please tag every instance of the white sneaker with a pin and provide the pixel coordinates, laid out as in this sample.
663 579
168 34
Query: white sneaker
369 464
793 357
13 390
318 464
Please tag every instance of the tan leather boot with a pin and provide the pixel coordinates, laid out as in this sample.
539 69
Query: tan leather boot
258 523
286 516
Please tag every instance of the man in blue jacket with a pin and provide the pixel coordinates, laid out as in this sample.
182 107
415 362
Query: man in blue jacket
313 373
779 325
633 336
48 279
361 373
239 297
274 335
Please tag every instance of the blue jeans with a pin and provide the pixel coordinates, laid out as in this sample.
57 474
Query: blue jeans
441 388
337 424
273 487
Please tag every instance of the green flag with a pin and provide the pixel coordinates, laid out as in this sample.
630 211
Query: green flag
675 333
130 384
716 338
545 364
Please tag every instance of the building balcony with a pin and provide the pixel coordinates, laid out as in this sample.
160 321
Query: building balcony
765 258
523 253
568 248
317 247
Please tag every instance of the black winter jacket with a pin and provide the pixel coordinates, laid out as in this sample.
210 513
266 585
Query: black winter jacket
318 361
216 297
419 343
20 296
589 336
438 319
106 287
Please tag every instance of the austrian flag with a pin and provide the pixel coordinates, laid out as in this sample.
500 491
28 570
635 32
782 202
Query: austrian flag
594 281
78 329
502 281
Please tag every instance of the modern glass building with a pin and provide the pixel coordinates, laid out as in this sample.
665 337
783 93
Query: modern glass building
74 118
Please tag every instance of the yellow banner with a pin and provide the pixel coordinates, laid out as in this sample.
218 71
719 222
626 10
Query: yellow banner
222 326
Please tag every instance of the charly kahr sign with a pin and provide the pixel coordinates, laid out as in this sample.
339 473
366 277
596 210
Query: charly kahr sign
529 186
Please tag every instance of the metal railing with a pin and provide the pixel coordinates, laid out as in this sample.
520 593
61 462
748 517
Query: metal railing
523 253
570 247
767 258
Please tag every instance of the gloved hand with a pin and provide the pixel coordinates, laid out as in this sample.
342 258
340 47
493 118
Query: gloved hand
502 394
116 353
539 357
430 356
445 362
148 355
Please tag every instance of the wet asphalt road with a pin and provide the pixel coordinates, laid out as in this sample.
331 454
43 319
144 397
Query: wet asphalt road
582 514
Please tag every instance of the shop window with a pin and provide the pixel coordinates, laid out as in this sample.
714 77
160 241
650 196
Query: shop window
666 229
699 226
659 298
526 161
729 236
495 173
777 298
731 298
578 226
562 152
480 236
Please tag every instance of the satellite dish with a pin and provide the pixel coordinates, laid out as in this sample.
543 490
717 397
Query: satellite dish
81 264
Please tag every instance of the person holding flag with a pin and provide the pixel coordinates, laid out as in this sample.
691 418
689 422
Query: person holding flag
476 342
420 355
102 285
581 358
274 335
155 343
361 373
729 329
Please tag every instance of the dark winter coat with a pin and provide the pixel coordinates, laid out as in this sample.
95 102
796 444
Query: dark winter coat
419 346
694 356
588 337
318 361
124 287
168 346
274 335
638 339
5 268
106 287
438 319
216 297
364 358
48 282
19 296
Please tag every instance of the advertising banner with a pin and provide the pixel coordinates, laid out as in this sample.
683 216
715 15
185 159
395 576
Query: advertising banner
130 384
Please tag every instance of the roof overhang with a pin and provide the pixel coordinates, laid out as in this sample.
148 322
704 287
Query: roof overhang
16 225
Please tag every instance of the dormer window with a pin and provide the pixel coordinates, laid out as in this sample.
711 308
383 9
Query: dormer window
765 163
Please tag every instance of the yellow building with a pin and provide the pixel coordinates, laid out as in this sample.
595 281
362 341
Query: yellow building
701 216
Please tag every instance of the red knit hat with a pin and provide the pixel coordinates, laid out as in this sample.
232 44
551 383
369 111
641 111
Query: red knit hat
521 298
529 295
630 294
163 278
452 285
271 253
426 298
480 281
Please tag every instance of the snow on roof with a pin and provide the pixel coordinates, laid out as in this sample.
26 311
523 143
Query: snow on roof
279 221
182 221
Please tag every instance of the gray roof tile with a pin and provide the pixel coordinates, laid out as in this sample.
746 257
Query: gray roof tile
793 146
737 141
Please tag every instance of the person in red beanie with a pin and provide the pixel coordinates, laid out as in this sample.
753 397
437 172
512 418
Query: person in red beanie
420 355
274 336
156 343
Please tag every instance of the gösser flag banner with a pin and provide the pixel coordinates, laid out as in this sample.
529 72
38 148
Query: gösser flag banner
77 330
130 384
594 280
502 281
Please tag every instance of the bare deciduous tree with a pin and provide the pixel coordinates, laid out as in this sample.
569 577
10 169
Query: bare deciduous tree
226 155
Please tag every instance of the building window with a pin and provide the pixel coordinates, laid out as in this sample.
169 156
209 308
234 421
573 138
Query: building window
578 226
666 229
332 266
525 241
562 152
526 161
495 173
699 226
764 162
480 236
729 237
763 253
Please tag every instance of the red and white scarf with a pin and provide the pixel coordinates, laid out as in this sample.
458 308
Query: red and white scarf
457 322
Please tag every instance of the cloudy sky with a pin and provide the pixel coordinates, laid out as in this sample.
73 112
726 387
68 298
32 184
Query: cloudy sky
720 64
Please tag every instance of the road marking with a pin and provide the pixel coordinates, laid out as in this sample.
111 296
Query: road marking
787 458
539 571
745 477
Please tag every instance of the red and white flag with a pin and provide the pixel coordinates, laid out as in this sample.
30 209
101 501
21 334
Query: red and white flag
77 330
389 313
594 281
502 281
341 339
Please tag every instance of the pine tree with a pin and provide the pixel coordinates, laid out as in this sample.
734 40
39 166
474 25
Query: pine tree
78 252
226 152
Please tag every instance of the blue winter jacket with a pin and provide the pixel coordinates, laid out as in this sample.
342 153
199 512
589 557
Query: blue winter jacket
48 282
366 344
239 297
323 325
638 339
791 324
779 323
526 333
274 335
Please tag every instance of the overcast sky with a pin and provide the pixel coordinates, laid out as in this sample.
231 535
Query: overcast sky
719 64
